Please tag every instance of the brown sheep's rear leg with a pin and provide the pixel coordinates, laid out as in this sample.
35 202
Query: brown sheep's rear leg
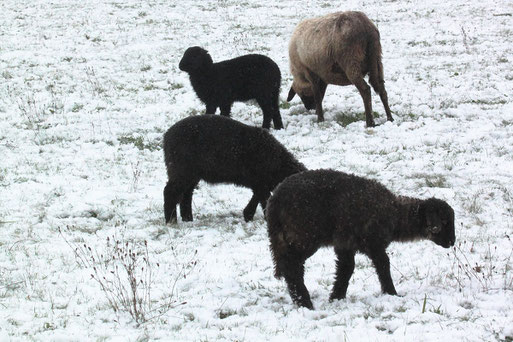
319 89
186 204
381 262
365 93
384 99
379 87
323 85
345 268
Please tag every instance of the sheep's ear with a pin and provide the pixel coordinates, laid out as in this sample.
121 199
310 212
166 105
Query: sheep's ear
292 93
434 226
209 61
435 229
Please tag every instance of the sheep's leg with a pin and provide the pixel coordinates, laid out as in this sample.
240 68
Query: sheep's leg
345 268
271 111
379 87
250 209
267 112
384 99
172 196
275 110
365 93
263 201
381 262
211 109
258 197
186 204
318 93
277 122
293 272
289 263
323 85
226 109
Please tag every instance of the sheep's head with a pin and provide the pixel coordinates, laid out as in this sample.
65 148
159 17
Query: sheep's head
195 59
439 221
305 92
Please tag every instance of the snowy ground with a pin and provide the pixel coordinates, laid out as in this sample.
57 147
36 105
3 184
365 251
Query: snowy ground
87 90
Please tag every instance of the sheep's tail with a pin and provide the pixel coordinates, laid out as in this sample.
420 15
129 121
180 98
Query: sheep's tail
376 77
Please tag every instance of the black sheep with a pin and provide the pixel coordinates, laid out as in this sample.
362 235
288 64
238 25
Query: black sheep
217 149
240 79
320 208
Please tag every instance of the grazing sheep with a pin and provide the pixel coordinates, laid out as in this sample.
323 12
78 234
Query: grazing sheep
320 208
240 79
339 48
217 149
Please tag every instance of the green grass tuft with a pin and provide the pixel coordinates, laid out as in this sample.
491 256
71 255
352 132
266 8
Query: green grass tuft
285 105
345 119
139 142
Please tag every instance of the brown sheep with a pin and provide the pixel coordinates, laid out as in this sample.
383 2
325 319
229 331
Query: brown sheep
318 208
339 48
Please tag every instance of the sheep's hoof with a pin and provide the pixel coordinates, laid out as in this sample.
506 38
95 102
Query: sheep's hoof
306 304
392 292
334 297
186 214
248 216
171 221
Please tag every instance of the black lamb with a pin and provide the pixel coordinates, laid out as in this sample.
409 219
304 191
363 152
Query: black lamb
320 208
240 79
218 149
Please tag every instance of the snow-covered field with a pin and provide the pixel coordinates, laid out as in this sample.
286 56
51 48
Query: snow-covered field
87 88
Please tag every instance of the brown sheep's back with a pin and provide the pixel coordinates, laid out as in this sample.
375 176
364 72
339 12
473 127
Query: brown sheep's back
324 43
